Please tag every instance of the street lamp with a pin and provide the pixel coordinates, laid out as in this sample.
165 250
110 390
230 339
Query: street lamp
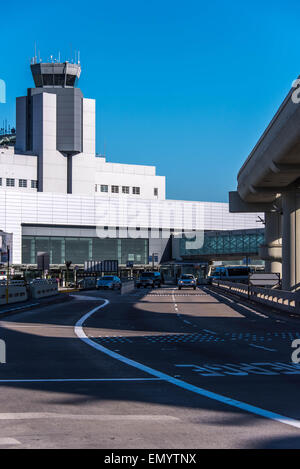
68 265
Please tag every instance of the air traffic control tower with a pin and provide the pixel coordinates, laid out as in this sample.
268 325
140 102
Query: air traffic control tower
56 123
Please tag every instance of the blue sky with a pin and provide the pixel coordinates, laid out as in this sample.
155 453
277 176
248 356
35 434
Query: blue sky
186 86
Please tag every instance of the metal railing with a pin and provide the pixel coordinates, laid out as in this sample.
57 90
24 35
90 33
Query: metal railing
278 299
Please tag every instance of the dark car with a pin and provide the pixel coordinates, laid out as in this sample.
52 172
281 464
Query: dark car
149 279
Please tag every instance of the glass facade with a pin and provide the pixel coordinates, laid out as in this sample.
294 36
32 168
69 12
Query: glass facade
225 242
78 250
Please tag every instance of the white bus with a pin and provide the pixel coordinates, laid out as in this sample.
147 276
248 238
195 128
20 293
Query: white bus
232 273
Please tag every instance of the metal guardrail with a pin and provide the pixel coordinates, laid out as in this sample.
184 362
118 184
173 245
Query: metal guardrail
278 299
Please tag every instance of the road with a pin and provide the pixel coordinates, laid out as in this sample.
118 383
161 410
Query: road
152 369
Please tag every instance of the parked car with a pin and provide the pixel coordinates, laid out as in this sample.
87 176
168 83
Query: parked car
187 281
149 279
111 282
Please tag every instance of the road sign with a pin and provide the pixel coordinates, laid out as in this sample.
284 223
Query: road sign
261 279
110 266
93 266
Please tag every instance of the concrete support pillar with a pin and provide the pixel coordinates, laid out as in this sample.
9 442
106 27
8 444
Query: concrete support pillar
291 240
271 251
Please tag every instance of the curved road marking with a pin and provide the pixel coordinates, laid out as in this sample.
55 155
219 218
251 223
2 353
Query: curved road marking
170 379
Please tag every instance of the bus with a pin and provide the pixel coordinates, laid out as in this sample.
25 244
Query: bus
231 273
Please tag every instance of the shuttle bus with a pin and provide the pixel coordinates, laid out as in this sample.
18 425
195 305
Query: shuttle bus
231 273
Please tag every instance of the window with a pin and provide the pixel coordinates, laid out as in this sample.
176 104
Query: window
115 189
95 187
10 182
0 181
125 189
34 184
155 191
104 188
136 190
22 182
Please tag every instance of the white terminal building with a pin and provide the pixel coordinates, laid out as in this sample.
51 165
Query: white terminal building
58 196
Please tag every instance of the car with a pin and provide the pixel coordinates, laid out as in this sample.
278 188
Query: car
149 279
111 282
187 280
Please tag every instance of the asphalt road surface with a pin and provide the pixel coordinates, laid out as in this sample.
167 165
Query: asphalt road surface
152 369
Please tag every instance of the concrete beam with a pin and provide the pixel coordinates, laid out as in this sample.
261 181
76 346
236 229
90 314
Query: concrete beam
271 251
238 205
291 241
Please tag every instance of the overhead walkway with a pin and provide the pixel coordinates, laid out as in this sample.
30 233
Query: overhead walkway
236 244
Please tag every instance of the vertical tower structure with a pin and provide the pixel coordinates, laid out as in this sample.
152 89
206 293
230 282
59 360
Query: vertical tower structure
55 122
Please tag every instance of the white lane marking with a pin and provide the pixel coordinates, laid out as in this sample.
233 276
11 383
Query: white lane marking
264 348
9 441
253 311
187 322
104 417
85 298
73 380
210 332
243 306
182 384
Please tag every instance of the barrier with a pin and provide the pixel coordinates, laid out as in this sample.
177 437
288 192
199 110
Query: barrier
127 287
279 299
16 293
87 283
42 288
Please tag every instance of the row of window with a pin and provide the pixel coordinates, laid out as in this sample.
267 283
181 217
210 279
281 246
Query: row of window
10 182
122 189
117 189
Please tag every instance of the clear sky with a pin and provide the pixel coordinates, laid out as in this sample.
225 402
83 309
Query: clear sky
186 86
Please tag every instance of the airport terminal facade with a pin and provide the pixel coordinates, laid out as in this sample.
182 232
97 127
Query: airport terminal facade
58 196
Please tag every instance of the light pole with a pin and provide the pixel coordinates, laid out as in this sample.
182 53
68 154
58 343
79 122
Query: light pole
7 275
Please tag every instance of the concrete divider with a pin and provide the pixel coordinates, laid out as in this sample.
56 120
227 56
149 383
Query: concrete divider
279 299
87 283
16 293
42 288
127 287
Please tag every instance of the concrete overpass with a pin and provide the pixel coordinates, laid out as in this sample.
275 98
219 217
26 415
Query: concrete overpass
269 181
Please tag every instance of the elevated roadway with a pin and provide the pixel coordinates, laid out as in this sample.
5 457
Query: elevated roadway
269 181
